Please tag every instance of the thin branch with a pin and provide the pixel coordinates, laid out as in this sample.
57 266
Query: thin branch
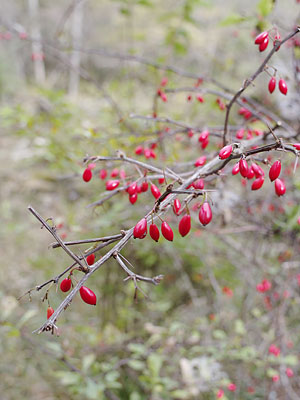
249 81
95 240
135 277
52 230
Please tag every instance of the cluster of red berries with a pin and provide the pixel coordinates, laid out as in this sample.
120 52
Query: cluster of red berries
220 104
245 113
148 152
133 189
281 85
204 139
264 286
87 295
141 228
262 40
256 171
273 349
162 95
240 133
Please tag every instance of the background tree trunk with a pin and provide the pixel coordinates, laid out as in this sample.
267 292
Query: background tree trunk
37 48
76 33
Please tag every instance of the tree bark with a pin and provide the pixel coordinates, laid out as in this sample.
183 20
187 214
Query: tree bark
37 48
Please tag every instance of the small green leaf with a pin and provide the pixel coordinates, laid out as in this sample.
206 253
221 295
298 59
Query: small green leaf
239 327
271 372
291 359
232 19
154 362
264 7
136 365
137 348
87 361
219 334
68 378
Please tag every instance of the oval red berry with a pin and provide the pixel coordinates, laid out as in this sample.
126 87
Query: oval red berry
65 285
90 259
88 296
50 311
154 232
184 225
166 231
87 175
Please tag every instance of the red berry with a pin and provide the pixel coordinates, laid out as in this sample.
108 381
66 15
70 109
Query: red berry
176 206
122 174
236 169
243 167
225 152
263 45
139 150
261 37
221 104
189 98
200 161
276 39
132 189
289 372
154 232
200 99
152 154
257 183
114 173
140 229
133 198
65 285
258 171
279 187
282 86
111 185
87 175
249 135
88 296
190 133
164 81
155 191
102 174
275 170
198 184
205 214
272 84
163 96
250 173
204 144
297 146
167 231
50 311
161 180
203 136
184 225
231 387
240 133
144 186
90 259
147 153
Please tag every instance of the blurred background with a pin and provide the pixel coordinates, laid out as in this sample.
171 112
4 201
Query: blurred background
72 73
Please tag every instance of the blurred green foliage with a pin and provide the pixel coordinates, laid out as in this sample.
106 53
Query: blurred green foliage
186 338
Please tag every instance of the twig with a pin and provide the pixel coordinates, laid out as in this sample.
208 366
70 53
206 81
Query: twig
95 240
52 230
249 81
